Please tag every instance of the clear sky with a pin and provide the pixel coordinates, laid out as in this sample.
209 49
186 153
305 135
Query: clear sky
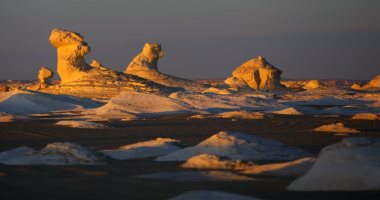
323 39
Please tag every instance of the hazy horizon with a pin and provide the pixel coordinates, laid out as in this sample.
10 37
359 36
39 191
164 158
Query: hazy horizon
201 39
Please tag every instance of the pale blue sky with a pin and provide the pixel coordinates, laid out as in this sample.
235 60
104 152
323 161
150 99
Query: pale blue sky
322 39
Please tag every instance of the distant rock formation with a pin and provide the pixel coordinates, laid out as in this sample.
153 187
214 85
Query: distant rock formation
373 84
145 65
257 74
312 84
45 74
90 80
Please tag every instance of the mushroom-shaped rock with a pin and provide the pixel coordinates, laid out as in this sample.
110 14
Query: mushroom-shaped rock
257 73
71 49
45 74
145 65
91 80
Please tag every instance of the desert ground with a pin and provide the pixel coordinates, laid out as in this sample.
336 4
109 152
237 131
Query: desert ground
118 179
97 133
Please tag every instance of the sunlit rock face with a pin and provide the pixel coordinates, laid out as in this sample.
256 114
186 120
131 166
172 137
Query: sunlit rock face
145 65
71 49
257 74
93 80
373 84
45 74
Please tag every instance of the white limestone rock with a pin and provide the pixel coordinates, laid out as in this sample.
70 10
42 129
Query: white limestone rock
336 128
242 114
208 161
157 147
190 176
80 124
82 79
257 73
293 168
312 84
350 165
145 65
373 84
238 146
366 116
45 74
54 154
287 111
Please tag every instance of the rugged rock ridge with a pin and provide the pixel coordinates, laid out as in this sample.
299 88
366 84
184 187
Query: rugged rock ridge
257 74
145 65
373 84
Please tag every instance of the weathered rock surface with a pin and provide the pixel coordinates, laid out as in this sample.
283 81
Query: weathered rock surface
53 154
82 79
145 65
352 164
238 146
45 74
257 74
373 84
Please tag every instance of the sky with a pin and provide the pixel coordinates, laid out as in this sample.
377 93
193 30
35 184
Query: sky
202 39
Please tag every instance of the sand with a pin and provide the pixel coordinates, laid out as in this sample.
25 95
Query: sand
117 179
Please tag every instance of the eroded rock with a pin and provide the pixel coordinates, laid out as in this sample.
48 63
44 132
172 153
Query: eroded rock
145 65
45 74
257 73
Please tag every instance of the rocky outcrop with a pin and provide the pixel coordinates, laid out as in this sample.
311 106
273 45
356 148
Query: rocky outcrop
79 78
71 49
350 165
257 74
373 84
45 74
145 65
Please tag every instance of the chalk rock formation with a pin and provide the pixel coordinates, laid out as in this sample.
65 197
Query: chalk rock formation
45 74
312 84
350 165
336 128
71 49
150 148
53 154
238 146
256 73
145 65
91 80
373 84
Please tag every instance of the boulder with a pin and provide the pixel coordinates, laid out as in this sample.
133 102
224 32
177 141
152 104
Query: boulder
45 74
145 65
350 165
257 73
312 84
